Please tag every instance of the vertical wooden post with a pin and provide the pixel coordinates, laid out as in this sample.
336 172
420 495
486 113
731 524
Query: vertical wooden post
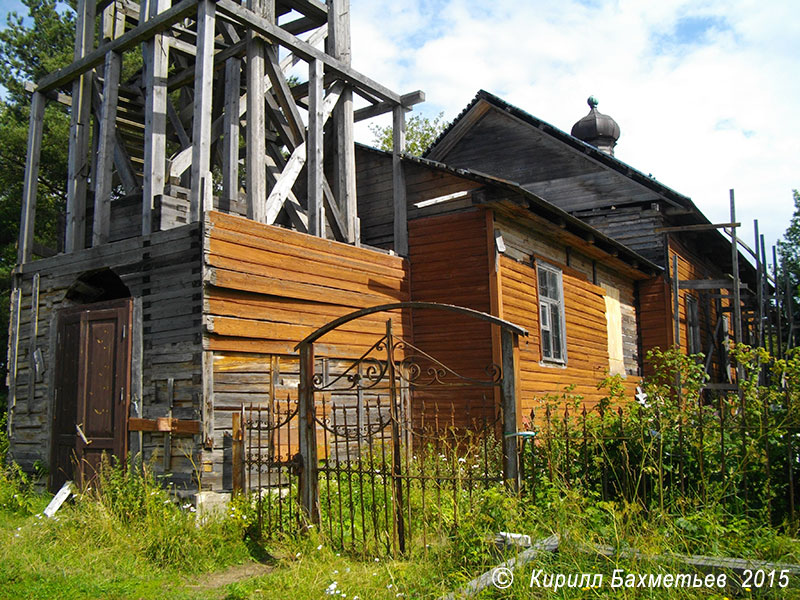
399 181
509 392
105 153
156 64
676 306
230 154
256 177
13 348
29 188
33 335
207 408
345 167
314 165
766 300
737 301
309 493
201 199
237 452
778 303
80 128
760 290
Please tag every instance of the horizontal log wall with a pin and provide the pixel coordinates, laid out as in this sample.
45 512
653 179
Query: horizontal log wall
266 289
163 273
586 336
269 287
450 263
523 243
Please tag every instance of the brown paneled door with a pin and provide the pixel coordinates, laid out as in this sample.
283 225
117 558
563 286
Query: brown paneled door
92 388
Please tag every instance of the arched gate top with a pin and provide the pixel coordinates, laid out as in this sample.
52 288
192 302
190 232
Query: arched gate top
433 305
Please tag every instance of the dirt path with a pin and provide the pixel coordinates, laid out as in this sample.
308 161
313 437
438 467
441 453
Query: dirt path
232 575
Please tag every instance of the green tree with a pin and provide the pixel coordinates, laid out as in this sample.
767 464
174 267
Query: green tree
30 47
421 132
789 259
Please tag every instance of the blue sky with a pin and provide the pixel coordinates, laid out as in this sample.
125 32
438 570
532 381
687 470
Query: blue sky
704 91
7 6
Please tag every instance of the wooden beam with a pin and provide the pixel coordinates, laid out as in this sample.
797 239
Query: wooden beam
301 25
31 181
310 8
701 227
201 199
284 95
156 65
399 182
406 100
33 336
78 166
315 167
737 302
133 37
297 160
676 322
256 181
345 160
165 424
105 152
230 153
332 214
122 161
303 49
708 284
177 125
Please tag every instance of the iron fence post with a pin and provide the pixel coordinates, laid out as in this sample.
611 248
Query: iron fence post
508 345
308 483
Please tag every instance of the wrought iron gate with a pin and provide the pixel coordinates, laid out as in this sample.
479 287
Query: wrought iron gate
400 441
383 449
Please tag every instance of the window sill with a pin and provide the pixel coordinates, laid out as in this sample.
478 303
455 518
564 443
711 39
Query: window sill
553 364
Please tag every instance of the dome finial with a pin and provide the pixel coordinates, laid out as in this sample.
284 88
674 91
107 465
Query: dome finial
597 129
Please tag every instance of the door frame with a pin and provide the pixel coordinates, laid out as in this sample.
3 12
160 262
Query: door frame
123 368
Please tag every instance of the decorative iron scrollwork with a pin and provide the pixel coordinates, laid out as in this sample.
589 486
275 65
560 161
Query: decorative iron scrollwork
363 374
417 368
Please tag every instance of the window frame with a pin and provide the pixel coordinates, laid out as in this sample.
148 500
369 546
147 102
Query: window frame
546 303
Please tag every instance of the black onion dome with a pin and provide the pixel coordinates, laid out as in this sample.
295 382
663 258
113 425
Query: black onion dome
597 129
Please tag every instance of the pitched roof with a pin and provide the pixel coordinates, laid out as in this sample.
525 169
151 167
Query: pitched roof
670 195
544 209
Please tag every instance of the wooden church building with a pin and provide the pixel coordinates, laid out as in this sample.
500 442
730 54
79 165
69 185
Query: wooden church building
219 212
692 303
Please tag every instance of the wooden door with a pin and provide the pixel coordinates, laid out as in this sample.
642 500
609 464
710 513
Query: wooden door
92 388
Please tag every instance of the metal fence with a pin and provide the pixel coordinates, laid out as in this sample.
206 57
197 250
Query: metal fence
715 449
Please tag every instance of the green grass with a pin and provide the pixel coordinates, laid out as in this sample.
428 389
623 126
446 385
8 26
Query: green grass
132 540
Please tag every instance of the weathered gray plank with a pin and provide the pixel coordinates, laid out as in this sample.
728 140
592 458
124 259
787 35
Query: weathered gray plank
156 63
399 181
303 49
256 120
201 198
105 153
30 184
230 154
316 212
80 128
135 36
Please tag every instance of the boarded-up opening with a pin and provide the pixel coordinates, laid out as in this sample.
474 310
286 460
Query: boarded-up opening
616 357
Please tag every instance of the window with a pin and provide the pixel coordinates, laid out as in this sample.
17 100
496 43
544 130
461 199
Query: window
692 326
551 314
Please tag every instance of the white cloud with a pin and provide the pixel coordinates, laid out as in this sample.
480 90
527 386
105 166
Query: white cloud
704 91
